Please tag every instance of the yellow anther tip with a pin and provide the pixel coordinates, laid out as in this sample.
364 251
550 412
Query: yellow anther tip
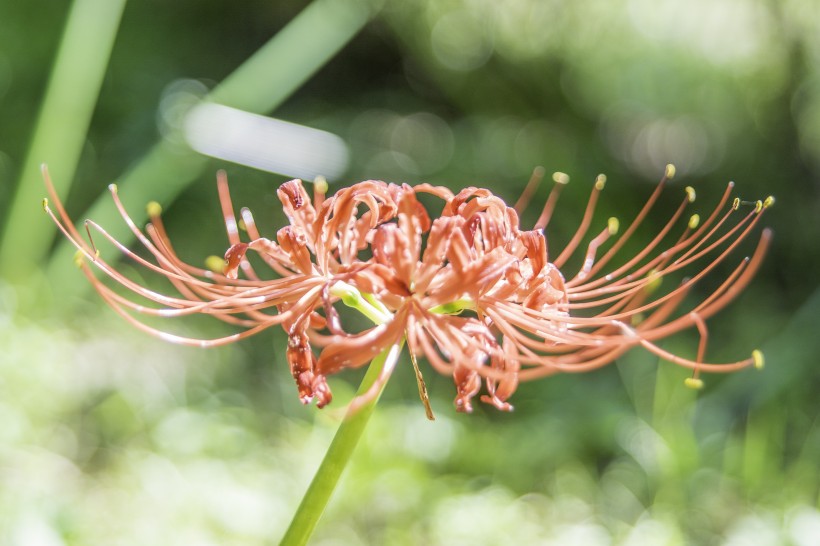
560 178
654 281
759 360
320 184
613 225
768 202
694 221
215 263
153 209
690 194
758 205
670 171
45 204
241 225
78 258
600 182
736 203
113 188
693 383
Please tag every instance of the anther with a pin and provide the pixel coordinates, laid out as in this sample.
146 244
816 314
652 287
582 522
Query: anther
215 264
694 220
45 204
600 182
113 188
758 205
736 203
613 225
153 209
690 194
768 202
320 184
759 360
561 178
654 281
670 171
693 383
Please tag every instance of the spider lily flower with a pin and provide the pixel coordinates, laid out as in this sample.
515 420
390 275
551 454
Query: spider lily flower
477 296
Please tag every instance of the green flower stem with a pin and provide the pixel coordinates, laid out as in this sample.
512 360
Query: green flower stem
454 307
350 431
337 456
365 303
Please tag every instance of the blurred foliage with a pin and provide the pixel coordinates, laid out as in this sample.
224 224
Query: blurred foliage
111 438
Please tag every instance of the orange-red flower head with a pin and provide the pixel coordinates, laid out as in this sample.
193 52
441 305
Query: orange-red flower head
481 299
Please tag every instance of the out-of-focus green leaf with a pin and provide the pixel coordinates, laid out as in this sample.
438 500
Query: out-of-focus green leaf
60 131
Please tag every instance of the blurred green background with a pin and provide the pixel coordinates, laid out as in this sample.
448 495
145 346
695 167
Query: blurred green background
110 437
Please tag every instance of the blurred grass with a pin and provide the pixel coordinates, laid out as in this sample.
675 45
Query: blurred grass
183 446
171 448
60 132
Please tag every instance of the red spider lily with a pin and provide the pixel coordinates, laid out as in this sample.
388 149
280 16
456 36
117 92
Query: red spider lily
470 291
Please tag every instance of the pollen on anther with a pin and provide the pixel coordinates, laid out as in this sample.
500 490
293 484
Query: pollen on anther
654 281
759 360
320 184
215 263
113 188
758 205
45 204
670 171
768 202
690 194
153 209
694 220
560 178
600 182
613 225
694 383
736 203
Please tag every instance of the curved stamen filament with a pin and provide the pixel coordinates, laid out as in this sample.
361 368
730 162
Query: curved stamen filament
585 221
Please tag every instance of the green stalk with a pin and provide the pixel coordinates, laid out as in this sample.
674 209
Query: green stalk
60 132
338 455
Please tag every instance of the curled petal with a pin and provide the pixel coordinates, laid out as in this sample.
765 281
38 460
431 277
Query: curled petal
233 258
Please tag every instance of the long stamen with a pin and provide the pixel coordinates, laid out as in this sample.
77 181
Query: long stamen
648 248
669 173
529 190
627 284
600 183
592 248
561 180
